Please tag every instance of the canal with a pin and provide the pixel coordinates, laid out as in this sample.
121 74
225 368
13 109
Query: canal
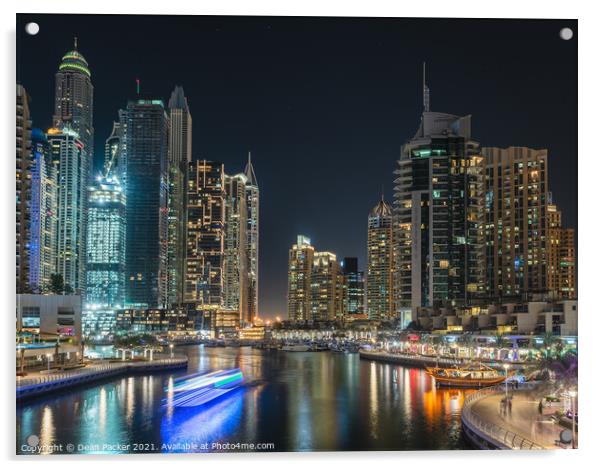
291 401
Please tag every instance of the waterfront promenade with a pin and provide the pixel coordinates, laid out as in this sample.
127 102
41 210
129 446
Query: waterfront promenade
489 424
37 383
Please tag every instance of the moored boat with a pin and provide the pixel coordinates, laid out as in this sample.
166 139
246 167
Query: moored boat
467 377
296 348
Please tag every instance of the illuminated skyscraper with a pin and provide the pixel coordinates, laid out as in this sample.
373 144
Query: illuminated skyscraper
23 187
439 215
73 98
560 257
105 253
300 263
147 211
252 248
69 157
379 277
353 290
43 214
326 292
236 275
116 151
205 234
180 154
516 231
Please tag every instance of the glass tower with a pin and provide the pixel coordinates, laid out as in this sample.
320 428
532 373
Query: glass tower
379 291
300 263
252 247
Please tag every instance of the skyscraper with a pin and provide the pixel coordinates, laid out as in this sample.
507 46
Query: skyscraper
439 214
205 234
379 277
236 275
252 203
515 229
180 154
560 257
23 187
105 252
73 98
116 151
353 290
69 157
147 211
300 263
326 287
43 213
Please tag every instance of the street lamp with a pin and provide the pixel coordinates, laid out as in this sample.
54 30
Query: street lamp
171 350
506 372
573 394
48 360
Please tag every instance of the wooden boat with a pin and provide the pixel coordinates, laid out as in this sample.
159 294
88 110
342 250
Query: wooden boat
467 377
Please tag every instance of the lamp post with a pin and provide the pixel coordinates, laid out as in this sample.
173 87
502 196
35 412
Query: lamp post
171 350
573 394
48 360
506 380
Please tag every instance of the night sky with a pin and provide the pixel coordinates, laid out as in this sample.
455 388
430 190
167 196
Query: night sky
323 104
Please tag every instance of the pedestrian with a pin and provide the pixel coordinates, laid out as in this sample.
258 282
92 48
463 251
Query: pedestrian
510 405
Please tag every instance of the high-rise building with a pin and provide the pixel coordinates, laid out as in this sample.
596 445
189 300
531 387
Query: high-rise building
116 151
515 228
146 185
69 157
23 187
326 287
560 257
252 248
105 252
353 290
43 214
379 277
180 154
236 275
300 263
439 215
205 234
73 98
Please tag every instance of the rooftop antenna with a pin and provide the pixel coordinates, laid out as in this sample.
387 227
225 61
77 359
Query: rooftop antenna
426 94
249 157
138 86
382 192
75 42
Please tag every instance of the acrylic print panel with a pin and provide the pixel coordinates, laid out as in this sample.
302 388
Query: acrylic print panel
295 234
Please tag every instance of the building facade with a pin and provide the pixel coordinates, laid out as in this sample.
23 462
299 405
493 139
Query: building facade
439 215
43 214
147 209
205 234
23 188
115 162
353 290
252 247
326 292
379 276
71 163
560 257
180 154
300 264
516 227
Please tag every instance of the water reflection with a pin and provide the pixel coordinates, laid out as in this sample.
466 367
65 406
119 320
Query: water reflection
298 401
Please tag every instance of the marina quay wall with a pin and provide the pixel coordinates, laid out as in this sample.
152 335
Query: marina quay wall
36 386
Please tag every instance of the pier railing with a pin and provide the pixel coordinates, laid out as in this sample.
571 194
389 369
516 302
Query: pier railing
497 433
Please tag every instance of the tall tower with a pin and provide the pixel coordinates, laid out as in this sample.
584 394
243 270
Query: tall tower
326 287
115 162
180 154
353 290
73 98
205 238
23 186
70 159
300 263
438 212
236 275
105 253
515 229
43 211
379 279
252 248
560 256
147 211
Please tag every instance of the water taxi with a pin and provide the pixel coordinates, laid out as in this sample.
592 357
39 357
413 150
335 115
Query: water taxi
468 377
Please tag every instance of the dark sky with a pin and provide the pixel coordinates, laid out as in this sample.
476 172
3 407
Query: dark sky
324 104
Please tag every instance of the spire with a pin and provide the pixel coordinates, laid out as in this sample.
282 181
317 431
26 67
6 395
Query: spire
426 93
250 172
75 43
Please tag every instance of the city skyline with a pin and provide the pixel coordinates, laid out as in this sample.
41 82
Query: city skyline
231 146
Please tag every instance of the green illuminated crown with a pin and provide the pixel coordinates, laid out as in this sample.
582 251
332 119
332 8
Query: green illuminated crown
75 62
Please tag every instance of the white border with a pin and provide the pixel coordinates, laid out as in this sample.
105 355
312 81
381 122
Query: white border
590 132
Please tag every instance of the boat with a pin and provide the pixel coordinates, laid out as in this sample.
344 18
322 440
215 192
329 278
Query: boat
201 388
475 376
296 348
